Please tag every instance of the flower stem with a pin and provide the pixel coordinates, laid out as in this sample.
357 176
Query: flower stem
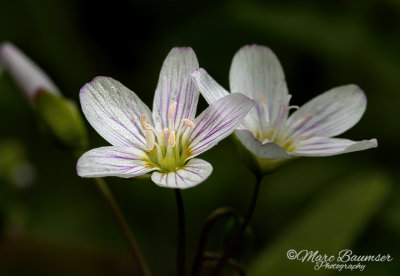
180 260
120 219
236 238
211 220
231 262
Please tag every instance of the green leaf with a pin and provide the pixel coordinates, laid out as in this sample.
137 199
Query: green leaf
62 120
332 223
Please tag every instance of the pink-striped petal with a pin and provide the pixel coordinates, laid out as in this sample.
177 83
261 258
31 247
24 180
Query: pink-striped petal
114 161
192 174
330 113
266 151
257 73
322 146
175 85
207 86
27 75
114 112
218 121
212 92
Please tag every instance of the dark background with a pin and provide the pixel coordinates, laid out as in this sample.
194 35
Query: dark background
54 223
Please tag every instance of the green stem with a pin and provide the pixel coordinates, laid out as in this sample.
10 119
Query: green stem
236 238
211 220
180 260
120 219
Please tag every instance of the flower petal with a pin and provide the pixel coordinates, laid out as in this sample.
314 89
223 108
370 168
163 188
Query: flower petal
322 146
218 121
114 112
212 91
255 146
190 175
114 161
28 76
330 113
257 72
175 85
207 86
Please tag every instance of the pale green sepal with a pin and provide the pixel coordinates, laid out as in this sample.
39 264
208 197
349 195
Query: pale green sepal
259 166
61 119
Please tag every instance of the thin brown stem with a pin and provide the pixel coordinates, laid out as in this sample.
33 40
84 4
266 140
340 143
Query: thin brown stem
231 262
236 238
210 222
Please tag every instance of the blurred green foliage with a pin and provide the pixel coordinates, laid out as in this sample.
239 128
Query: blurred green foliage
329 225
59 224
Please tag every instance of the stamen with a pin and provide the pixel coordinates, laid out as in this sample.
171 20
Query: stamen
265 141
188 123
288 98
166 134
262 98
143 121
172 109
150 140
171 139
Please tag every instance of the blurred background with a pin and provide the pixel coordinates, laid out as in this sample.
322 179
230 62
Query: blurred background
54 223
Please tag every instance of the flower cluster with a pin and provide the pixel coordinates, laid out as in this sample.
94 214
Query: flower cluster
165 141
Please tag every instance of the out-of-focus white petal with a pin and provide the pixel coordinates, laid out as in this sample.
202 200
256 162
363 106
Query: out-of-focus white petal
114 161
330 113
190 175
176 85
321 146
266 151
218 121
257 73
28 76
114 112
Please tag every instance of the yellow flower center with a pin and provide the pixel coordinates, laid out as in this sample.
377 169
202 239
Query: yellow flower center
167 149
279 132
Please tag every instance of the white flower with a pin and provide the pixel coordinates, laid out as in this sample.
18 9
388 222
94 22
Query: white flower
162 142
28 76
268 131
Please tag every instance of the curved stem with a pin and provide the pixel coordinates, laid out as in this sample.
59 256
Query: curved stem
231 262
180 260
120 219
236 238
211 220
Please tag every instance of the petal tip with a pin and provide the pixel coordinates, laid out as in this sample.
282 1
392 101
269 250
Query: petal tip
197 72
255 47
183 49
90 84
6 48
374 143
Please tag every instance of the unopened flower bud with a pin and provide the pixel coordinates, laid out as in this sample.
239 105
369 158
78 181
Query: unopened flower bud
26 74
